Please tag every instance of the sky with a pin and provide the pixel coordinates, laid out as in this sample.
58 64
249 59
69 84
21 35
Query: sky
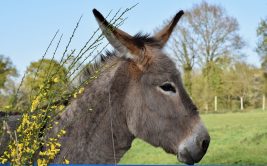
26 27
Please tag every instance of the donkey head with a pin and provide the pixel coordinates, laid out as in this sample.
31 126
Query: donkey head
158 109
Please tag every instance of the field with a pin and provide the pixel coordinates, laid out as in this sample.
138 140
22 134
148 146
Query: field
236 138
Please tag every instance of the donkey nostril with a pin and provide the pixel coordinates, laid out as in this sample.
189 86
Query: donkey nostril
205 145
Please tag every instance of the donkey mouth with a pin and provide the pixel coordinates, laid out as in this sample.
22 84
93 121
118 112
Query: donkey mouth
186 158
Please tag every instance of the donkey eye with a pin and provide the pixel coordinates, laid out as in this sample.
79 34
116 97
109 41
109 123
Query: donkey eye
168 87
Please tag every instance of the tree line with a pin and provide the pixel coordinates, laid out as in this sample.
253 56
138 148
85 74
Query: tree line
207 47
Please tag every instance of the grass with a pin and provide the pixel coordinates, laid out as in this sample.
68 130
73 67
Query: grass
237 138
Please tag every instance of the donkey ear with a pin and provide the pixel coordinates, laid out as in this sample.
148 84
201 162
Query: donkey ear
121 41
163 35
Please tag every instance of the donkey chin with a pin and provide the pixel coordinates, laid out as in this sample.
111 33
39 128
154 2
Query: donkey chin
192 149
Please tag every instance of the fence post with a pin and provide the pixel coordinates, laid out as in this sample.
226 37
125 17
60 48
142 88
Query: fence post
241 103
215 103
263 102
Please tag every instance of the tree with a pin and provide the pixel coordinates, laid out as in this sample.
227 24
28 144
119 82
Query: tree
216 33
205 34
184 49
7 70
216 84
7 85
262 49
42 73
243 84
262 35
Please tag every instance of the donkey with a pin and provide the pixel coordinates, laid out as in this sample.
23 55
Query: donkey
141 95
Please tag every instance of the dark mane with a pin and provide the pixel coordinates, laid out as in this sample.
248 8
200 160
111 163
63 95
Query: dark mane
90 68
107 55
141 40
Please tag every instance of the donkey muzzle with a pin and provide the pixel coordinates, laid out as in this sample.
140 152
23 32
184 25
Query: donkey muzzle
194 147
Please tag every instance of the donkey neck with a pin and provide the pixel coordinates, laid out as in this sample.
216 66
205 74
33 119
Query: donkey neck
95 123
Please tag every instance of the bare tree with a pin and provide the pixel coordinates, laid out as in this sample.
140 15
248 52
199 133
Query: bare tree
184 49
262 51
216 34
205 34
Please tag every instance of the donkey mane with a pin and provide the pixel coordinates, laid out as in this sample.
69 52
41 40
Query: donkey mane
140 40
91 68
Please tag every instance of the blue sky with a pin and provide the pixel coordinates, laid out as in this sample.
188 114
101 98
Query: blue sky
26 27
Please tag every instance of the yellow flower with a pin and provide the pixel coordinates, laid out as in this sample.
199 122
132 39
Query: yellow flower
61 107
63 131
41 162
75 95
35 103
28 150
51 139
13 152
42 153
20 146
67 161
56 79
53 147
53 107
81 90
7 107
4 161
58 144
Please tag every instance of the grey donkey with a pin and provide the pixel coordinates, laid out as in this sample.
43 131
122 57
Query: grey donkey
141 95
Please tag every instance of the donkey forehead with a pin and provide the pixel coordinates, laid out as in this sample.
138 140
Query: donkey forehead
161 66
161 63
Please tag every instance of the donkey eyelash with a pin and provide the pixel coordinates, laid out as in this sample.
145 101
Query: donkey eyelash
168 87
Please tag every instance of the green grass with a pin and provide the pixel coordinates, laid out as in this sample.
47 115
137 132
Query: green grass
236 138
